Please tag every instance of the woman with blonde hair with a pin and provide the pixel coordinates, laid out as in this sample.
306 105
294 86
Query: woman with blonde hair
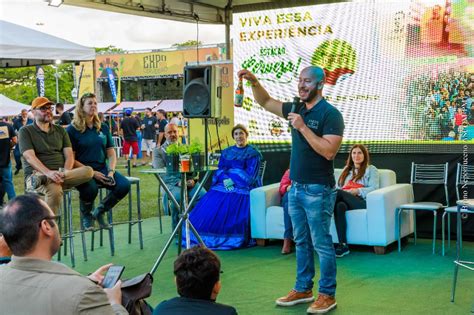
93 146
357 179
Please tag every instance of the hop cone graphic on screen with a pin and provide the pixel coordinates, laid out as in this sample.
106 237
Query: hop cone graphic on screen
337 58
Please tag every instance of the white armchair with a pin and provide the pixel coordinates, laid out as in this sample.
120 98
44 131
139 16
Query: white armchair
374 226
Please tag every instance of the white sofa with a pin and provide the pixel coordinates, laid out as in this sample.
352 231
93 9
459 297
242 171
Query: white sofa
374 226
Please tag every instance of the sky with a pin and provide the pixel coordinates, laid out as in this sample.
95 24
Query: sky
95 28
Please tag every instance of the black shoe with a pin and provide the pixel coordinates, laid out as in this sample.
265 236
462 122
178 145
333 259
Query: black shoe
88 222
342 250
17 171
99 215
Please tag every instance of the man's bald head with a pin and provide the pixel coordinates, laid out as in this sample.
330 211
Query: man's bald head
171 132
317 73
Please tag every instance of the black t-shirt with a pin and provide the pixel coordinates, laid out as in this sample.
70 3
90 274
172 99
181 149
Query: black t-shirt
188 306
150 131
129 126
161 128
6 135
65 119
307 166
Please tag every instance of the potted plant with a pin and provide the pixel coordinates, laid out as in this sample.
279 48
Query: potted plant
184 157
172 157
196 151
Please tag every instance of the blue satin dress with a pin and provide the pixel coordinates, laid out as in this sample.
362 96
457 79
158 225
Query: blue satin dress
221 217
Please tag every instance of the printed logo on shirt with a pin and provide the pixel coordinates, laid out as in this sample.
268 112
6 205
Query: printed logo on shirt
313 124
4 133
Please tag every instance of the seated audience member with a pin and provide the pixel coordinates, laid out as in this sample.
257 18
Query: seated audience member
46 287
222 216
285 185
48 159
197 271
93 146
173 180
357 179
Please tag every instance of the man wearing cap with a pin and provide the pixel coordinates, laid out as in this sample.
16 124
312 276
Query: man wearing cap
48 158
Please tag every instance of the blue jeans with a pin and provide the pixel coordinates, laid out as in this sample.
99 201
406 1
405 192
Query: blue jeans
286 217
176 191
6 174
311 207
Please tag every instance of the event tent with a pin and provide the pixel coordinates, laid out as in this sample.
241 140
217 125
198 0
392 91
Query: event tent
23 47
9 107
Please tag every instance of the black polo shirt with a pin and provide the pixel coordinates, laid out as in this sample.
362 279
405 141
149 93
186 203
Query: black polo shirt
91 146
307 166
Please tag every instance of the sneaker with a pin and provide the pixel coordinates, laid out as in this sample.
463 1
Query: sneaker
294 297
100 217
342 250
17 171
322 305
37 181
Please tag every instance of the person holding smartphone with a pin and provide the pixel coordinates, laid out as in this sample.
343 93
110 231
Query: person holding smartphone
93 146
31 231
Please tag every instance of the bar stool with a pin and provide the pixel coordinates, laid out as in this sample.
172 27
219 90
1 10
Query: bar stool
67 233
101 239
131 221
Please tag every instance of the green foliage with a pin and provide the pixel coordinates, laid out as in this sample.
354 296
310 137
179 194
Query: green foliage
188 43
195 147
19 84
111 49
177 149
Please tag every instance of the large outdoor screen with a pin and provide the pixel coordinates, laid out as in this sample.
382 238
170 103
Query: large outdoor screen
399 71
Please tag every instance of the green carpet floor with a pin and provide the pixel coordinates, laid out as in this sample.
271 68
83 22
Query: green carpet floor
411 282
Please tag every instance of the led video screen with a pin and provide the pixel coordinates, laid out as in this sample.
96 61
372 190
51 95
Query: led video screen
399 71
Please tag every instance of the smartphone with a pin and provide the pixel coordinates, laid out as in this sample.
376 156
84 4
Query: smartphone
112 276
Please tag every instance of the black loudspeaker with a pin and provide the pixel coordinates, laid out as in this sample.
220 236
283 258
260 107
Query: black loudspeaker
202 91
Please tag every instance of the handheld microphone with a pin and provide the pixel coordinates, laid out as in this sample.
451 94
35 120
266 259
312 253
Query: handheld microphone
294 107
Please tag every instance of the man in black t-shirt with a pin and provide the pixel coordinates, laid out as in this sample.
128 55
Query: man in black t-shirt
20 121
149 134
7 141
64 117
160 132
317 129
197 272
129 127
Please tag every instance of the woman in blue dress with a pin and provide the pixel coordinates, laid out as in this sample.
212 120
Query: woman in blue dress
222 216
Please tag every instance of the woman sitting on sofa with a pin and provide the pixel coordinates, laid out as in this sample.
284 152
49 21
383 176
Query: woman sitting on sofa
357 179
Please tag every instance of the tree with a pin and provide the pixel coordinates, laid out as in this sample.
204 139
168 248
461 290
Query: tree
111 49
188 43
19 84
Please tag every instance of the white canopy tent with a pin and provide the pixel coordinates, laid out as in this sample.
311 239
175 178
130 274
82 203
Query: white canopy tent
23 47
9 107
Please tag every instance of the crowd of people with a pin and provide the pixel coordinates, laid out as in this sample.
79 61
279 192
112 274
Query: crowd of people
442 107
80 153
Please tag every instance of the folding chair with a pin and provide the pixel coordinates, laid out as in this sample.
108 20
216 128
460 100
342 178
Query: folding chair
464 178
425 174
